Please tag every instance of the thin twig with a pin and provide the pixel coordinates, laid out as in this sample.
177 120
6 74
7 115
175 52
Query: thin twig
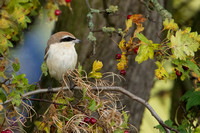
87 3
112 88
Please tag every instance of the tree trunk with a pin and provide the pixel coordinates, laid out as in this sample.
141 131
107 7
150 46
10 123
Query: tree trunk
139 77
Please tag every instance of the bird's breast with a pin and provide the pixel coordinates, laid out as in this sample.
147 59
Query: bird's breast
60 59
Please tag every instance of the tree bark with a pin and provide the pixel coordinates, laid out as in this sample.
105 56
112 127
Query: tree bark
139 77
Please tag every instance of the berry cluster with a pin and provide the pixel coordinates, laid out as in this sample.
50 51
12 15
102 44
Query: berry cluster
118 57
178 73
90 120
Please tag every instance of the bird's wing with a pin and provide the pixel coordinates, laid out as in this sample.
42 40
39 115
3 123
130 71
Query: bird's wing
46 53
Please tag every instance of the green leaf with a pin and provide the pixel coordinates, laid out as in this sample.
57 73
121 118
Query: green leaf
142 38
146 51
20 79
125 116
125 123
44 68
197 130
192 98
31 87
92 105
191 65
2 95
168 123
119 131
80 69
16 98
16 66
183 45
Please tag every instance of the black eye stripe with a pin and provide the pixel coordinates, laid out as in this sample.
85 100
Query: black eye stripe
67 39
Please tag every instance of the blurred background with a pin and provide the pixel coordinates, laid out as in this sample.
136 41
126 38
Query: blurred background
140 80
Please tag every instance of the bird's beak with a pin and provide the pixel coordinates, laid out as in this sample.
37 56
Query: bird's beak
76 41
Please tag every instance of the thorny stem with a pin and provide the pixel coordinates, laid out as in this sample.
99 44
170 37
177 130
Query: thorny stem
109 88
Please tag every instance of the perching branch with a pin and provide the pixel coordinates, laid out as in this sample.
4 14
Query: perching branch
110 88
160 9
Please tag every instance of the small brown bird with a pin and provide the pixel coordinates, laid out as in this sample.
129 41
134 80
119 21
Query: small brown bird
60 54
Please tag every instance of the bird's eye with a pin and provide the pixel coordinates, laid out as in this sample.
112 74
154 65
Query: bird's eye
67 39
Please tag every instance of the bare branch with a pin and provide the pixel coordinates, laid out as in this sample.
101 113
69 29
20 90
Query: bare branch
160 9
109 88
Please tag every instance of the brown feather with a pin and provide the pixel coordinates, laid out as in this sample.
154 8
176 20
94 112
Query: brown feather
55 38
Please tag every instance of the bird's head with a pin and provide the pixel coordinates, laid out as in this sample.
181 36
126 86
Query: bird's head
61 37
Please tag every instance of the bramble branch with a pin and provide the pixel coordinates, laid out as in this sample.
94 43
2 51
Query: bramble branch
109 88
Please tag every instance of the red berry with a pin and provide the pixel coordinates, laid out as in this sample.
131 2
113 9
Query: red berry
57 12
178 73
93 120
126 131
118 56
55 106
3 131
123 72
8 131
185 68
129 16
68 1
135 50
87 119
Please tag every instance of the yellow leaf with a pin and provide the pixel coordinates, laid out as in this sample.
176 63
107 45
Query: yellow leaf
96 75
161 73
128 25
97 65
42 126
6 88
69 5
139 29
5 23
169 24
123 62
130 42
59 124
1 107
120 66
122 45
